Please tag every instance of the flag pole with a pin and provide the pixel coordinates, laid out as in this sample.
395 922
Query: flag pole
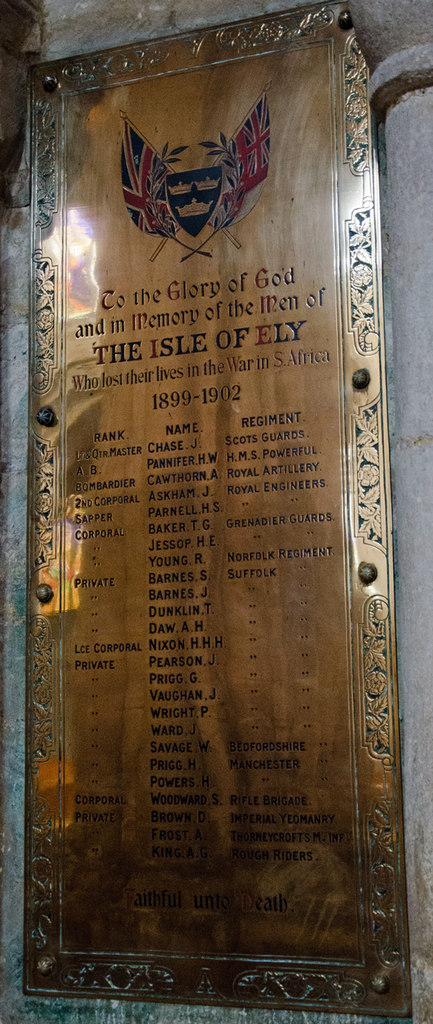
231 238
158 250
138 132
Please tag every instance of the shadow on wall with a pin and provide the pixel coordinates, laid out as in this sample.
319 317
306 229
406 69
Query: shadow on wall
20 40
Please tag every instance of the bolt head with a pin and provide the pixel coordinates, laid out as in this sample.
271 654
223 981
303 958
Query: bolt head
380 984
361 379
50 83
44 593
367 573
46 416
46 965
345 20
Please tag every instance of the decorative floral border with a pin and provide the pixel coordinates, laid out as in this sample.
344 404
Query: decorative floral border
296 26
42 871
265 985
356 109
41 661
369 492
383 883
376 671
316 988
292 27
97 70
45 345
42 747
46 157
360 243
144 979
44 470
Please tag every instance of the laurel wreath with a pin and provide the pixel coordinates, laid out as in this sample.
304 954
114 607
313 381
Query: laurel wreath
226 152
155 185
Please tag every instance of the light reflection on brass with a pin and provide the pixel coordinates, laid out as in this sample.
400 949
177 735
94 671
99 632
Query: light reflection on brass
213 748
82 286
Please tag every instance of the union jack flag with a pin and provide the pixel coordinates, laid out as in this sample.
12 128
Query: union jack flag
146 205
253 142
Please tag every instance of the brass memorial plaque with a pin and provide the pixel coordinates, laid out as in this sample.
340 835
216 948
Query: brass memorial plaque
214 809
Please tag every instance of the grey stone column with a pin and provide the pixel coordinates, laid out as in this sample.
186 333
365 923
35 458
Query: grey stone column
397 39
19 37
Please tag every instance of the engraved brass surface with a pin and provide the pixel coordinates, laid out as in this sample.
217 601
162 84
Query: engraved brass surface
214 808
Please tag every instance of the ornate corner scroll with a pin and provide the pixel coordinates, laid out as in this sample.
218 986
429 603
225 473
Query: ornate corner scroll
45 344
369 489
290 29
383 884
44 458
101 69
298 986
356 109
375 676
46 163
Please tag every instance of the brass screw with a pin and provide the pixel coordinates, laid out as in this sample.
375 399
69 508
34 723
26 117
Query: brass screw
380 984
361 379
367 573
44 593
46 965
345 21
50 83
46 416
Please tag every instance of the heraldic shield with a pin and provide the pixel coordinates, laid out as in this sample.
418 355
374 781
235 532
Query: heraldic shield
193 195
